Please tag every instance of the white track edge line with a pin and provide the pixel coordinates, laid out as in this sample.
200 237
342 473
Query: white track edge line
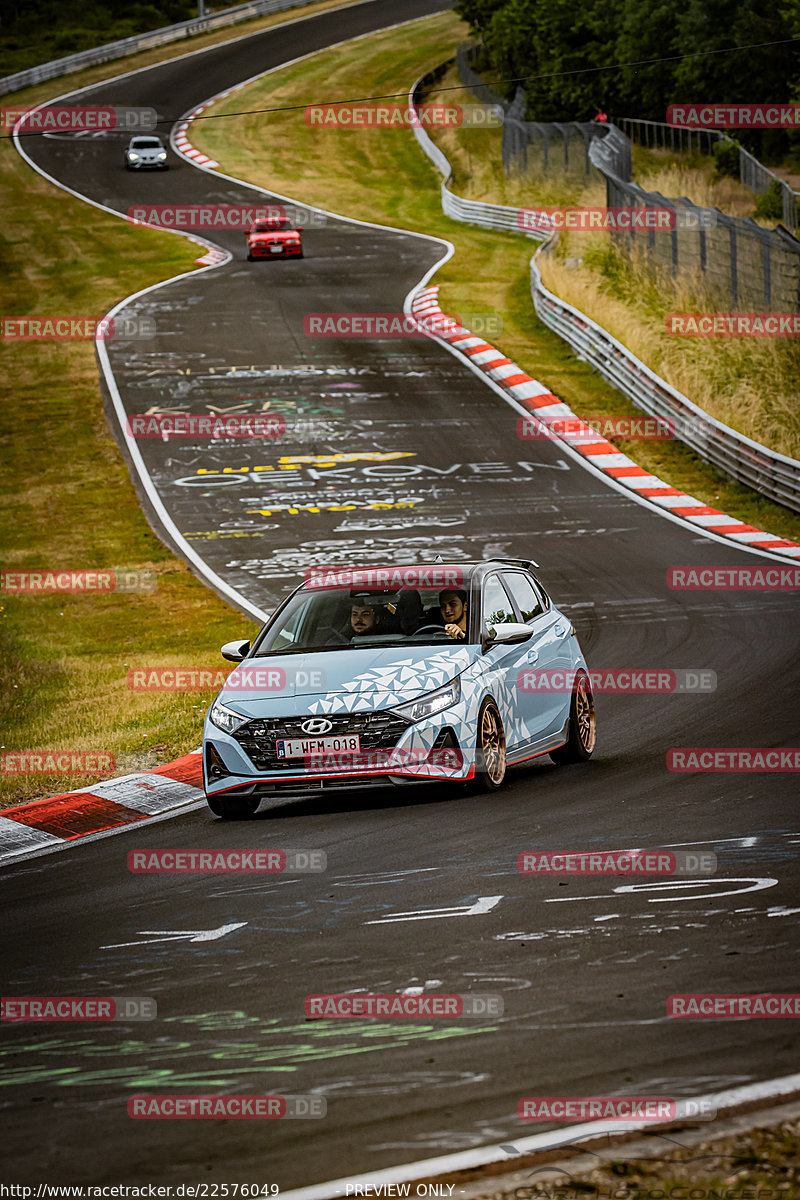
610 481
484 1155
701 532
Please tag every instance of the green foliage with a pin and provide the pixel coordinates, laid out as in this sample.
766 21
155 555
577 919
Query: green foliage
769 206
38 30
570 57
726 159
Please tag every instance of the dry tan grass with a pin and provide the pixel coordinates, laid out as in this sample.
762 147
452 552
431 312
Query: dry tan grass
752 384
383 176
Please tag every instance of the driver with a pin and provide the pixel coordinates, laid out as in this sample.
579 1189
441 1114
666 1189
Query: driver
363 618
452 613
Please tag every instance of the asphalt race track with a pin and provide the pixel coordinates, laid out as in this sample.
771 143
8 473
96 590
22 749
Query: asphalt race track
584 965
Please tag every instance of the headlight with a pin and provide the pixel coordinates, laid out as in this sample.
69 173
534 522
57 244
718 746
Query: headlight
432 703
133 157
163 156
225 718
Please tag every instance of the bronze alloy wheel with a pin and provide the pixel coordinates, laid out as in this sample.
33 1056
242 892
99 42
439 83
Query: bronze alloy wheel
490 765
585 723
582 734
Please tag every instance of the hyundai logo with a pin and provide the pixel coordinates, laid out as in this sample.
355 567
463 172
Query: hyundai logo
316 725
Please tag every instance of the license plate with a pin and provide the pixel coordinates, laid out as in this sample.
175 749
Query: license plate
305 747
276 249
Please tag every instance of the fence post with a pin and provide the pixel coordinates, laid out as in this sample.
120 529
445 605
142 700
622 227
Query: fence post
734 266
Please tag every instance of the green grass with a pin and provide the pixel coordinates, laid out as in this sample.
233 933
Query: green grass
66 498
347 171
67 502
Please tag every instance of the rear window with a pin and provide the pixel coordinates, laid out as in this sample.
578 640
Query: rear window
528 601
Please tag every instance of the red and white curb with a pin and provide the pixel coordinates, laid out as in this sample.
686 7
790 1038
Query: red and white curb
52 822
182 146
181 143
547 408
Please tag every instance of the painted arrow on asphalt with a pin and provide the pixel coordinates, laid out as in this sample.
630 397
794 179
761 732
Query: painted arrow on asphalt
177 935
483 904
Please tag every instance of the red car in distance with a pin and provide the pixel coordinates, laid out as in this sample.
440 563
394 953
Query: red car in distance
274 237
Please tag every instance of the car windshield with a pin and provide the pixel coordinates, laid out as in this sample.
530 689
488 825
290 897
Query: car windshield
346 619
149 143
279 225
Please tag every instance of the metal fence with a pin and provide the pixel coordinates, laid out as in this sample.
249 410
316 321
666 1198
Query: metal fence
767 472
752 173
732 262
142 41
748 462
530 145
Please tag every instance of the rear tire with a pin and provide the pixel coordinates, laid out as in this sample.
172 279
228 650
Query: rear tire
582 735
231 808
490 749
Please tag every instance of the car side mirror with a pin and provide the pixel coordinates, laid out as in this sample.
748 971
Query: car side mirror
505 635
299 228
235 651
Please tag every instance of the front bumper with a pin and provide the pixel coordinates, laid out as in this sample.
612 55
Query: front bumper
291 251
435 749
153 165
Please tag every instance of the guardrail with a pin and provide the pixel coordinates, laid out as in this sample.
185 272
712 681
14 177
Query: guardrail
142 41
767 472
471 212
748 462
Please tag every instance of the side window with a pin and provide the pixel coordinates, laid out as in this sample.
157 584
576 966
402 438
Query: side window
528 600
286 631
497 608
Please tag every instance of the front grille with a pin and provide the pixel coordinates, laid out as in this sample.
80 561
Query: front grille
377 731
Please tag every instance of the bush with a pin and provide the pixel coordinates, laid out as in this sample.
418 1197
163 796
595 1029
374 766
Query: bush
726 159
770 204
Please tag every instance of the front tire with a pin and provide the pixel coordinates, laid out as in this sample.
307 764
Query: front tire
582 735
233 808
490 749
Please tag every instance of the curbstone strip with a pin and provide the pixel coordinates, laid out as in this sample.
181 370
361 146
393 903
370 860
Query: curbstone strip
106 805
547 409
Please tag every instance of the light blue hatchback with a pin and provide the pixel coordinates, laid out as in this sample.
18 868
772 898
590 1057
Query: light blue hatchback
406 674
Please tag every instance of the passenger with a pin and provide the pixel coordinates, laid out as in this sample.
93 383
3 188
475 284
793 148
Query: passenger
451 613
453 607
